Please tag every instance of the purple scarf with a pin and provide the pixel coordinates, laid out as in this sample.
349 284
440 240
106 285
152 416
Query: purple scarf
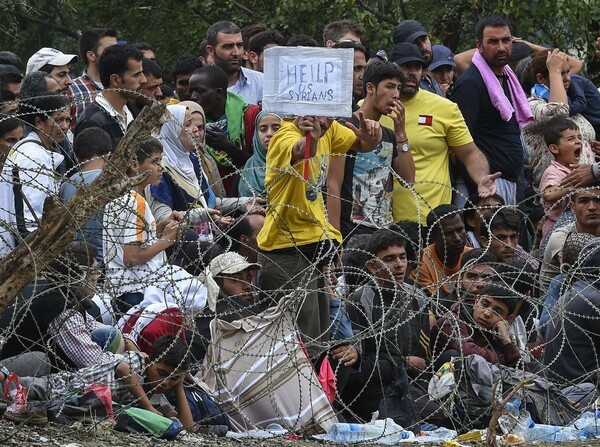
521 108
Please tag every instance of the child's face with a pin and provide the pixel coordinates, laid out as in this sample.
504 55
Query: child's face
488 311
161 377
154 165
568 149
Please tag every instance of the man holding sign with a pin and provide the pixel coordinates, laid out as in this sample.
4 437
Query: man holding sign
297 240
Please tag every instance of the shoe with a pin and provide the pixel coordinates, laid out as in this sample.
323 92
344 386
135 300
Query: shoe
29 415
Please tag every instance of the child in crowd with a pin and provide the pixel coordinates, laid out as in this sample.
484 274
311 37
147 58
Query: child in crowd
564 142
132 378
480 328
134 244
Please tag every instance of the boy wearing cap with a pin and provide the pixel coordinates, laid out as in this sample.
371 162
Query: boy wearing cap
442 68
55 63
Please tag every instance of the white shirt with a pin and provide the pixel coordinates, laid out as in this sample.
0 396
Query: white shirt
122 121
249 86
37 172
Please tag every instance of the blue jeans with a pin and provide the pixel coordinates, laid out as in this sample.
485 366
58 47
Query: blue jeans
104 336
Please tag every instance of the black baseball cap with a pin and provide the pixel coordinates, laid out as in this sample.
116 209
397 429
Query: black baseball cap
406 52
408 31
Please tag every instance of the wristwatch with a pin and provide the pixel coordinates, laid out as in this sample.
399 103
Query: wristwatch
404 147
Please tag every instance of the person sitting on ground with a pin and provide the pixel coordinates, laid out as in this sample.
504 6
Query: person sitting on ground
399 311
135 244
585 204
563 138
476 272
561 283
478 328
92 148
473 213
57 317
233 274
499 232
132 378
441 260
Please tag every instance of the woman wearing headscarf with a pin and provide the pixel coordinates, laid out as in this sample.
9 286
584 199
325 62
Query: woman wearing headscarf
209 165
252 178
183 186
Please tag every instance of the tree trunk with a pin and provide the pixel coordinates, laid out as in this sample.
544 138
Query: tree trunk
60 222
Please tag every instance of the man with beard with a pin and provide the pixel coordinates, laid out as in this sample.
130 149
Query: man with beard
412 31
358 70
494 105
226 46
150 91
441 261
436 128
122 74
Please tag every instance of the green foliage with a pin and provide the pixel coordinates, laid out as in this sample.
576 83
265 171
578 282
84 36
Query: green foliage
176 27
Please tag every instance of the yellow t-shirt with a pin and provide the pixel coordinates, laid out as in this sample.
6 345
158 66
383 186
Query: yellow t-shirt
292 219
433 124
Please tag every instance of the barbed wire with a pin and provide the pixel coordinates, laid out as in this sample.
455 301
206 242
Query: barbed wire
267 354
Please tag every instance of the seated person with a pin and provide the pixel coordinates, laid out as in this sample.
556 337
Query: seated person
441 260
561 283
233 274
132 378
472 215
478 328
476 272
57 317
573 342
387 305
92 148
134 244
499 232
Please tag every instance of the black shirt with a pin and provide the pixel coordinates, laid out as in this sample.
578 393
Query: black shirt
499 140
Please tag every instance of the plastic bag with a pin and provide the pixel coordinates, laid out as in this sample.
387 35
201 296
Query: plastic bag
15 394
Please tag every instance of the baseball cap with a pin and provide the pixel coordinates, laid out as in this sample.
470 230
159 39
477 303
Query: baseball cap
406 52
49 56
8 68
408 31
441 56
230 263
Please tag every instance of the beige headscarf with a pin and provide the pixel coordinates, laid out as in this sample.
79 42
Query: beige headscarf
209 166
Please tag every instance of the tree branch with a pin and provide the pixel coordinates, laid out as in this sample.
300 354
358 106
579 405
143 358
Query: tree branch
376 13
63 29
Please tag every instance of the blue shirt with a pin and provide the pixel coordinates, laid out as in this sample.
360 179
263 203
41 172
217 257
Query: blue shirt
249 86
91 230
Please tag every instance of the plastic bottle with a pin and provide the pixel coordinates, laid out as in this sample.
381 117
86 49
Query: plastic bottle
549 433
515 420
342 432
588 425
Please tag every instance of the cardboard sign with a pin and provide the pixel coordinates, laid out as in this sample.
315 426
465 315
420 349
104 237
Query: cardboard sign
308 81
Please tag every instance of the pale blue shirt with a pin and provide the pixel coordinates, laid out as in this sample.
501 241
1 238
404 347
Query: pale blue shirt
249 86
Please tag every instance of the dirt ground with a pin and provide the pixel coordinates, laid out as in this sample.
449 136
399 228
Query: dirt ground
103 435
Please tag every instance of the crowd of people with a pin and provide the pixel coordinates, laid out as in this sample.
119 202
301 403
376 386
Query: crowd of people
455 214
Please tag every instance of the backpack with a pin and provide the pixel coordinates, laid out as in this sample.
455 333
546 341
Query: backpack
203 407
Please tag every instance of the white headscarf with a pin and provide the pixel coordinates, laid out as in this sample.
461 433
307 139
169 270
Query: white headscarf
175 156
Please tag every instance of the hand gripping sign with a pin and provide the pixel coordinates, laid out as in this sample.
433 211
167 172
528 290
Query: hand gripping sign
308 81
